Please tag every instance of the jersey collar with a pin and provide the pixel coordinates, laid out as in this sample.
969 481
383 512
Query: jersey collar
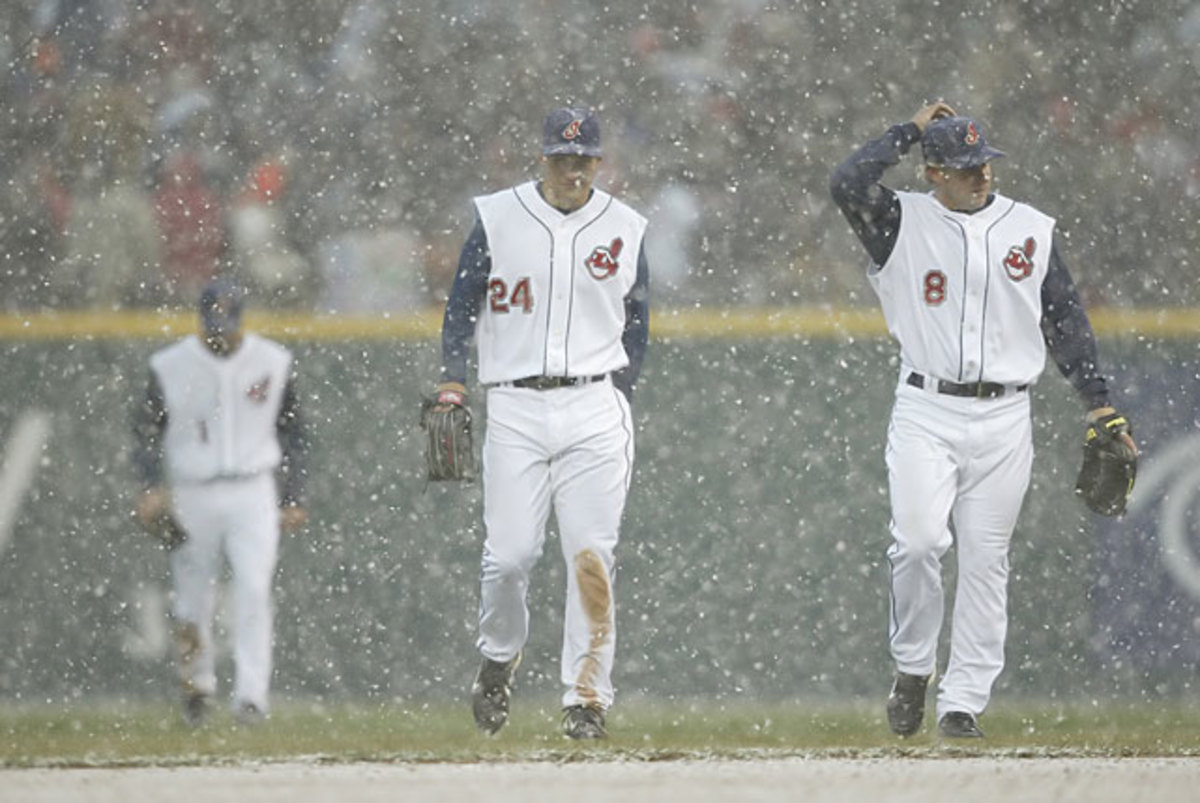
217 359
997 207
532 200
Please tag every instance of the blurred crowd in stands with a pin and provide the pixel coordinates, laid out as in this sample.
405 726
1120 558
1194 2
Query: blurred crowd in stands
325 151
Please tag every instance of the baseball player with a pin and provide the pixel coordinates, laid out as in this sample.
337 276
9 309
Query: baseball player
552 286
974 288
220 419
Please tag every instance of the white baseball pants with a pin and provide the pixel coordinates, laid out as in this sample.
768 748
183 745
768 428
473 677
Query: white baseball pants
240 519
966 462
570 449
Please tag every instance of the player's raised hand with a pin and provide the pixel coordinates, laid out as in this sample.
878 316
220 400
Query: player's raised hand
934 111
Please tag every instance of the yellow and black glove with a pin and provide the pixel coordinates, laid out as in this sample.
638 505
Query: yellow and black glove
1109 465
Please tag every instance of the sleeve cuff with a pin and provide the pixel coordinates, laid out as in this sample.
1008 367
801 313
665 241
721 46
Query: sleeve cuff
1095 394
909 134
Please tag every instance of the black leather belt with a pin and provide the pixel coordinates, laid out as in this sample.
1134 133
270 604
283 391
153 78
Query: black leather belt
551 382
978 390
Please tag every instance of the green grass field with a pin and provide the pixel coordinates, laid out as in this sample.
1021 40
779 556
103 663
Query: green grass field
152 735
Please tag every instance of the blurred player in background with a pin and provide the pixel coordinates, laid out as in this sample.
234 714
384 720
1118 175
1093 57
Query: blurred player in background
974 288
220 419
552 285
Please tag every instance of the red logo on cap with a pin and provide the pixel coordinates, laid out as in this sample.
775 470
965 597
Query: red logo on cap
972 135
571 131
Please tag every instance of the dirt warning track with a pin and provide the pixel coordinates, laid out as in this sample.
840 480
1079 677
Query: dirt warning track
815 780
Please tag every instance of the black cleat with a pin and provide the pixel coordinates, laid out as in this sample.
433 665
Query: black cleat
959 725
906 703
195 709
584 722
491 692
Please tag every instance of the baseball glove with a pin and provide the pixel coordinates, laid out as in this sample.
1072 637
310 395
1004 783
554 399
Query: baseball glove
167 530
1109 466
449 449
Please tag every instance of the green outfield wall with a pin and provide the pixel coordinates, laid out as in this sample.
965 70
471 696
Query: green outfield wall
751 563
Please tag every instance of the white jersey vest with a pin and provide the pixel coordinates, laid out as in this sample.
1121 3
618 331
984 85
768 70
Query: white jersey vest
962 292
555 303
221 411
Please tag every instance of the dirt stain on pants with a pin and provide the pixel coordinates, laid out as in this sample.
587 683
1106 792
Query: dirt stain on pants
595 592
187 641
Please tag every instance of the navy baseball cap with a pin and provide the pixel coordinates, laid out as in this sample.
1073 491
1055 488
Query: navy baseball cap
221 305
957 143
571 132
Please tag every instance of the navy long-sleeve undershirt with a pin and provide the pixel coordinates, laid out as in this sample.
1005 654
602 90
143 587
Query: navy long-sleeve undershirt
874 214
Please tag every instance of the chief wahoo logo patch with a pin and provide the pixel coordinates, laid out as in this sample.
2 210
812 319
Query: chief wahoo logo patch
602 262
258 391
1018 264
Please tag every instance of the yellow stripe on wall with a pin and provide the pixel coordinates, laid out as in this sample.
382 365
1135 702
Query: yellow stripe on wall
732 324
141 325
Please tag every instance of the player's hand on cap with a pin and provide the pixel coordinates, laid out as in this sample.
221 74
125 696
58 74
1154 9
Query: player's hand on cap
934 111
